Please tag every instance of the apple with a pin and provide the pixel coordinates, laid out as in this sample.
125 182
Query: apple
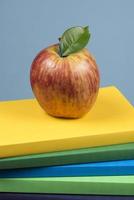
65 86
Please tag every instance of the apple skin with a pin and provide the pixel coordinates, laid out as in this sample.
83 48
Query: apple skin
65 87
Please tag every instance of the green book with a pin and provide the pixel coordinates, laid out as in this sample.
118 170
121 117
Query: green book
105 185
92 154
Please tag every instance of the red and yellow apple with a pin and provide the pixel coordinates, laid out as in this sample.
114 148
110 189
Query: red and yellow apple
65 86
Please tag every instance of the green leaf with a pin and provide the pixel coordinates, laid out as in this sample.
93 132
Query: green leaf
73 40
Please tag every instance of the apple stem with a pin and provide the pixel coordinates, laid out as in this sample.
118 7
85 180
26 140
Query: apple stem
59 47
59 51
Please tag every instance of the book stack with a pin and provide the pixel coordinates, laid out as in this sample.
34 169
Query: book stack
47 158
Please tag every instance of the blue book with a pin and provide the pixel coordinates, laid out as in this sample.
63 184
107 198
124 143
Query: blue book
23 196
114 168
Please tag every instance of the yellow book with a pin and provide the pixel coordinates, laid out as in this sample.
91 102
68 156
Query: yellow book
26 129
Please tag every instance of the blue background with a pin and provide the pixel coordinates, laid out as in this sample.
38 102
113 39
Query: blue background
27 26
